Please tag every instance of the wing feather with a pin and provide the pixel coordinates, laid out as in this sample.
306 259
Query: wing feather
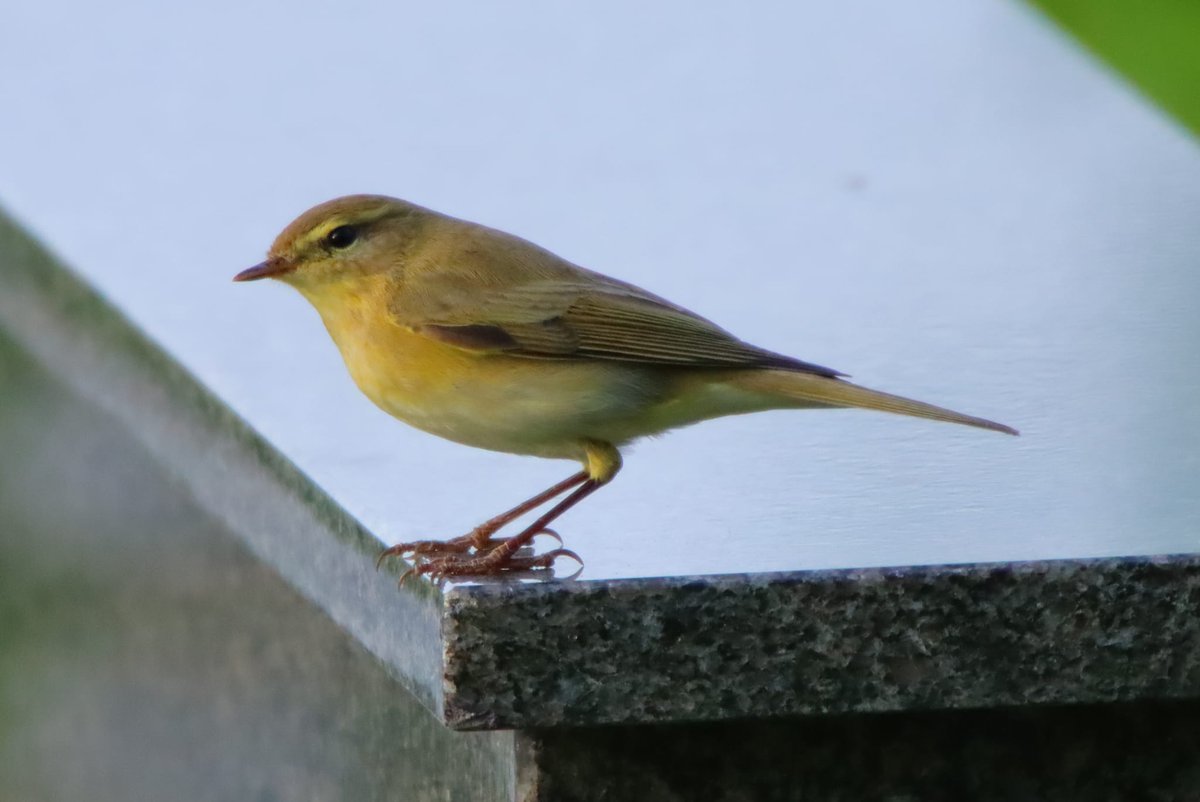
513 297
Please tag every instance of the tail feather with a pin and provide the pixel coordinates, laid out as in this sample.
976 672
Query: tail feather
807 388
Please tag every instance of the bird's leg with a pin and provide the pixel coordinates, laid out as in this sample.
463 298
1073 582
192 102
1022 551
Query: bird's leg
481 536
501 558
602 463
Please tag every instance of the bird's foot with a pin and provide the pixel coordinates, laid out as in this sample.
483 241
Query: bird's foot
480 539
418 548
490 563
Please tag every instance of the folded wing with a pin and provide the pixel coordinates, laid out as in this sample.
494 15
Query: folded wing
555 310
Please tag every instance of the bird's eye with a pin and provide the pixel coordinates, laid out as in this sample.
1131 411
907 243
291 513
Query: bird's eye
341 237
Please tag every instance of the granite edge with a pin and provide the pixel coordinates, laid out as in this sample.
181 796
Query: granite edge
852 640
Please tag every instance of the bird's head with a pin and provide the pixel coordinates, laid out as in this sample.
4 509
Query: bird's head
341 240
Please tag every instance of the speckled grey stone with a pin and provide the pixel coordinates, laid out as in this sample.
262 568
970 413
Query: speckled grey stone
822 642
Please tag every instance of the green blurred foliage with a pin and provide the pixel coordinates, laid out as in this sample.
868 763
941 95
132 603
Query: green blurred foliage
1154 43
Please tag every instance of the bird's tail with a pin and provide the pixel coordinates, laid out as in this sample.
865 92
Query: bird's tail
808 389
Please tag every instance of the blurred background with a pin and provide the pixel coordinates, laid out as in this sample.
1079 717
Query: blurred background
1153 45
988 205
952 201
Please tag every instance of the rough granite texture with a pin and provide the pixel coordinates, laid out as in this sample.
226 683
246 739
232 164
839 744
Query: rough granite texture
822 642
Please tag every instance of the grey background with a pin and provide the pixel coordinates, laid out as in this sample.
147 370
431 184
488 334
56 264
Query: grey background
944 199
144 654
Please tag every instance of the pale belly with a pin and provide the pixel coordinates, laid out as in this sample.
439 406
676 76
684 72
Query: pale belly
546 411
521 406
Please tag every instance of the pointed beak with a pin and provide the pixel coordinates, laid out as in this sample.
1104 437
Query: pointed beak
268 269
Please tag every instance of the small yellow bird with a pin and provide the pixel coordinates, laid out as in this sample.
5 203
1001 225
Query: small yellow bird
486 339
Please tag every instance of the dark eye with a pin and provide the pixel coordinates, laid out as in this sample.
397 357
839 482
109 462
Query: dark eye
341 237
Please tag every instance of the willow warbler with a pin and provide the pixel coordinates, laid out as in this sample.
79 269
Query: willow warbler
486 339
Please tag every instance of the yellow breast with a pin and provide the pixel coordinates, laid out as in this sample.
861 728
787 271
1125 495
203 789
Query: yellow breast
487 400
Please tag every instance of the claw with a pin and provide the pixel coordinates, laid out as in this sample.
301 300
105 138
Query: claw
547 559
383 555
551 533
545 562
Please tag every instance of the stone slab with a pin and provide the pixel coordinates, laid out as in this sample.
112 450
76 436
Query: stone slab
736 647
